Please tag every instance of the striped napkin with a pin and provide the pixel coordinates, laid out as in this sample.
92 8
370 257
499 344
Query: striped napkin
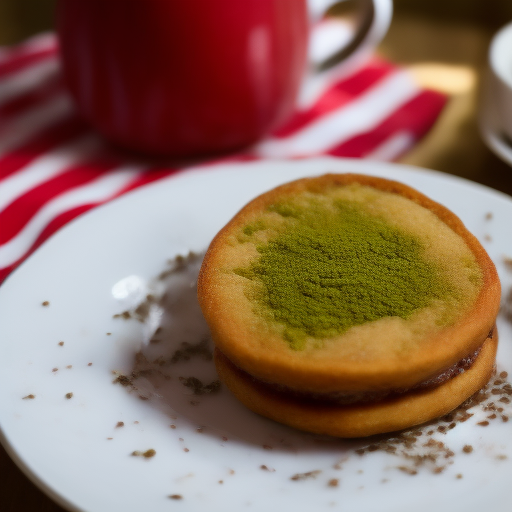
53 167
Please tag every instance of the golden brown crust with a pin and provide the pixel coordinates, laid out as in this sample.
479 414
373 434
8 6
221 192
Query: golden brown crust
234 326
359 420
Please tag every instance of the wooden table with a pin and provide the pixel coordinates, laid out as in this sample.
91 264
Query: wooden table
444 44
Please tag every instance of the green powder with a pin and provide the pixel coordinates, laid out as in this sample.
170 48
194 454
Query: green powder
335 268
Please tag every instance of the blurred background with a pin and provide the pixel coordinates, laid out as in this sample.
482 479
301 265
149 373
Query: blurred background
443 42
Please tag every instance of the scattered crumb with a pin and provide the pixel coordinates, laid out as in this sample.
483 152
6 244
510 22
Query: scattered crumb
45 303
333 482
339 465
176 497
488 216
198 387
29 397
173 426
147 454
202 350
408 470
231 471
507 260
55 370
69 366
467 448
483 423
124 314
69 395
502 457
89 364
177 264
487 238
123 380
120 424
186 450
266 468
459 475
143 367
61 343
221 481
306 476
109 334
109 438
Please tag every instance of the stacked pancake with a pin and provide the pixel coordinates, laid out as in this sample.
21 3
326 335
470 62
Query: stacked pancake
350 305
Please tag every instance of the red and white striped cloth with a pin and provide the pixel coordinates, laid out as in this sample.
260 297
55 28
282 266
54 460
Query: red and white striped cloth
53 167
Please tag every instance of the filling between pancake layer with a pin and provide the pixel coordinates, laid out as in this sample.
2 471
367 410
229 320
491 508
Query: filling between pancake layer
330 263
348 398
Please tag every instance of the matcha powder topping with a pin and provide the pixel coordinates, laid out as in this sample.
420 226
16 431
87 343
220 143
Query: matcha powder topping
332 269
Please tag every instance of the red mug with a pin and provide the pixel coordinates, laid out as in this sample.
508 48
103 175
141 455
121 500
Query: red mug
186 77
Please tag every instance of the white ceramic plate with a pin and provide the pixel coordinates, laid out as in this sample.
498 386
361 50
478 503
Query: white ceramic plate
63 444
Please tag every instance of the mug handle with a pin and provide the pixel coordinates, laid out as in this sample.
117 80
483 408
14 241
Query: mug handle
331 54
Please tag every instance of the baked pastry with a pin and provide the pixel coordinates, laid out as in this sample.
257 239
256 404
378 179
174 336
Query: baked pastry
350 305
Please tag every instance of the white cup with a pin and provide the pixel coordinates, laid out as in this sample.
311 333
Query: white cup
500 78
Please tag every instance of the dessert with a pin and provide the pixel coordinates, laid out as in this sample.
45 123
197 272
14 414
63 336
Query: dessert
350 305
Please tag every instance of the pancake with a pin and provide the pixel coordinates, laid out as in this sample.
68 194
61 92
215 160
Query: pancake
350 305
